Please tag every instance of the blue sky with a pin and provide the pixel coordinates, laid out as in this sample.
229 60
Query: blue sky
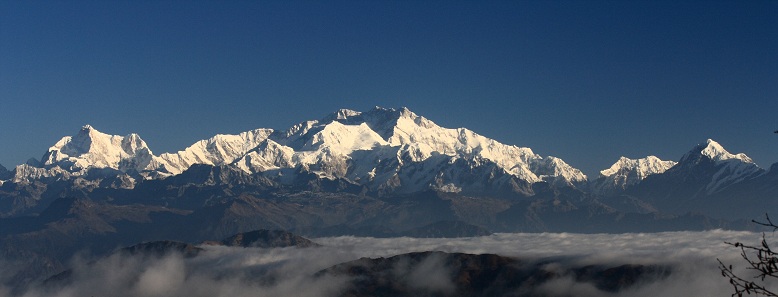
586 81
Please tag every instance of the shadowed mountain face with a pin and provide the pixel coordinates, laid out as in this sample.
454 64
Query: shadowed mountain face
162 248
447 229
256 238
4 173
458 274
267 239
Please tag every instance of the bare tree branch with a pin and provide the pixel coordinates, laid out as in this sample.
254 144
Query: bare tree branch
761 259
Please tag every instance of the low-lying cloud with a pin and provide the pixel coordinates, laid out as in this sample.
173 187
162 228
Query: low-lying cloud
230 271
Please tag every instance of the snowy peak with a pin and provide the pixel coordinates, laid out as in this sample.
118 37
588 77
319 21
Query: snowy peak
628 172
717 153
269 155
712 150
374 146
724 167
341 114
555 171
221 149
90 148
707 168
405 129
639 169
383 121
344 138
379 121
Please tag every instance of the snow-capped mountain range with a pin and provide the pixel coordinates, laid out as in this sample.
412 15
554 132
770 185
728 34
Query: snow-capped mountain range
381 172
384 149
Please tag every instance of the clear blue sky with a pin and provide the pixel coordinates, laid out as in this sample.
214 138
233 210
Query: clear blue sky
586 81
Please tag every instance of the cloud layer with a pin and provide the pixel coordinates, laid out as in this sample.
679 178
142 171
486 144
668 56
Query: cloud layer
229 271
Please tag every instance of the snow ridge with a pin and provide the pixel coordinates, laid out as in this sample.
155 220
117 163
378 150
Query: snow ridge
640 168
627 172
385 149
716 152
730 168
379 144
93 149
221 149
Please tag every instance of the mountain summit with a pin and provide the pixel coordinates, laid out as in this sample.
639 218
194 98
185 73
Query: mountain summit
723 167
221 149
702 181
712 150
398 150
627 172
90 148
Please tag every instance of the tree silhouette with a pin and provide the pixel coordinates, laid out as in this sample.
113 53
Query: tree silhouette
760 258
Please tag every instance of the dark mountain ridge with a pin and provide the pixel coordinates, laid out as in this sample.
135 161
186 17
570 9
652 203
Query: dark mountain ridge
459 274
